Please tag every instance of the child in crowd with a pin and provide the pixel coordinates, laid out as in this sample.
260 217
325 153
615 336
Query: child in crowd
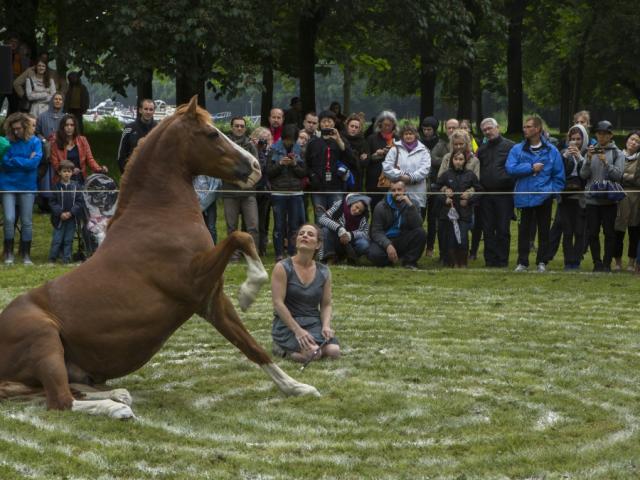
66 207
456 213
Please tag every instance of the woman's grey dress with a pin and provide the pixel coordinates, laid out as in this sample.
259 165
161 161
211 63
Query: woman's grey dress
303 301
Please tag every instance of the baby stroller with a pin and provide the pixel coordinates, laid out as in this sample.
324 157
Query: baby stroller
100 201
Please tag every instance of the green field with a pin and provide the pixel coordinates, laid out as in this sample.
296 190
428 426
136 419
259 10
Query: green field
446 374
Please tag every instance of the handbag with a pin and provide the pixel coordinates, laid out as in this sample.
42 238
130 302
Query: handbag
606 189
383 180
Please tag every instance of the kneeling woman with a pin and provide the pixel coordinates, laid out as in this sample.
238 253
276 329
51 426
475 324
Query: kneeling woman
301 290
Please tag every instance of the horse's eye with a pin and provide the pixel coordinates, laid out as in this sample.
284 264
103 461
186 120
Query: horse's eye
213 135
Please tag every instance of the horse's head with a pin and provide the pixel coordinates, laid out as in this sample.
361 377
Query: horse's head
211 153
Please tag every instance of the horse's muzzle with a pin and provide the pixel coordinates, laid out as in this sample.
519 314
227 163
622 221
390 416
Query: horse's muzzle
248 173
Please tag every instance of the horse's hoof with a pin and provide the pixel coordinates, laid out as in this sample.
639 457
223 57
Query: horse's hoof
246 296
120 411
303 389
121 395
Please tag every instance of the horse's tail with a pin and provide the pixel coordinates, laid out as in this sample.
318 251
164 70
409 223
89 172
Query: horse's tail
14 389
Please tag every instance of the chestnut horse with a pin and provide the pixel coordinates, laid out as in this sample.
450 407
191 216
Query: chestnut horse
156 267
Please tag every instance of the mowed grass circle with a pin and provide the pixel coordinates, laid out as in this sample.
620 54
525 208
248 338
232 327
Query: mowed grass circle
445 374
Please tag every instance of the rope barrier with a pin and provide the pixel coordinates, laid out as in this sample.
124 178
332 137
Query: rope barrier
575 192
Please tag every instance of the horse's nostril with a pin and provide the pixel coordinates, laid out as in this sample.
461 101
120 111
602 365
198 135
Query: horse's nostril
256 165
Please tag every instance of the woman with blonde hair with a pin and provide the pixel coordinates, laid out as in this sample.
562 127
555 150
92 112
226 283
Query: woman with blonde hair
19 182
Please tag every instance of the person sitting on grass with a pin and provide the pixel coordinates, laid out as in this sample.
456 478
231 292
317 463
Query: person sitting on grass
346 229
456 213
396 230
66 207
301 291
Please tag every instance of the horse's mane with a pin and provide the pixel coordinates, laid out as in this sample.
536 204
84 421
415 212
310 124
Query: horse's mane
144 147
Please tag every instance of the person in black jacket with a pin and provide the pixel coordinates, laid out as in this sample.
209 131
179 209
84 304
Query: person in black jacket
496 209
66 207
396 230
327 159
136 130
456 210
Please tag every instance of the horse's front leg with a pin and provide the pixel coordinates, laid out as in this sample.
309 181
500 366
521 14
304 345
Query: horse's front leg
220 313
212 265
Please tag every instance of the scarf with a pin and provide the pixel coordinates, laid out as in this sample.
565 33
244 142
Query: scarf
351 222
410 146
632 157
388 138
394 230
431 143
276 133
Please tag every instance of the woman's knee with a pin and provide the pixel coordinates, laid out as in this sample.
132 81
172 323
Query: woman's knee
331 351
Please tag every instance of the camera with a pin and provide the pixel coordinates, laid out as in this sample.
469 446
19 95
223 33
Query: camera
343 172
326 132
262 142
598 149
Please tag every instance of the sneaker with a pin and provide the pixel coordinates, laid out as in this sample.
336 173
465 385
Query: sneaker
521 268
541 268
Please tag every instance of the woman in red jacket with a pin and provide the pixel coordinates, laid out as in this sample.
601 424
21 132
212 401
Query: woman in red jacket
69 145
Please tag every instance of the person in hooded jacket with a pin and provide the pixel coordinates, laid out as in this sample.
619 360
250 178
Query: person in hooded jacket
346 229
571 213
538 169
46 127
456 212
604 162
410 162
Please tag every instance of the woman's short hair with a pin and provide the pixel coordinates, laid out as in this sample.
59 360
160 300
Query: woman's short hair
24 121
318 235
259 132
407 127
290 131
386 115
352 117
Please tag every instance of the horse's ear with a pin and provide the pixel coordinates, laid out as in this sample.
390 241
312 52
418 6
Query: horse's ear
192 107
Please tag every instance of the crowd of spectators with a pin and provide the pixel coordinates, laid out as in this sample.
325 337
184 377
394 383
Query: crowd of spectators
387 193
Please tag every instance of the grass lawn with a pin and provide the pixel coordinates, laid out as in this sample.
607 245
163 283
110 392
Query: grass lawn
446 374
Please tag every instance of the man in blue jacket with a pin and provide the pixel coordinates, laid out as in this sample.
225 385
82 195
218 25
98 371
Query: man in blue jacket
537 167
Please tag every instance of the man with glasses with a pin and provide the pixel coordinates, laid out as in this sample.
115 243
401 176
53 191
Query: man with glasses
236 202
496 208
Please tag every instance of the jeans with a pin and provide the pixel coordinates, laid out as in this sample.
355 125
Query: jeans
322 202
605 216
532 217
572 220
25 202
63 238
449 236
210 218
333 247
248 207
288 216
497 212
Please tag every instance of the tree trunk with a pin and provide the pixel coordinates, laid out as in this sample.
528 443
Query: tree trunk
188 79
266 103
307 34
465 93
477 93
144 86
514 66
565 99
577 86
427 81
346 87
